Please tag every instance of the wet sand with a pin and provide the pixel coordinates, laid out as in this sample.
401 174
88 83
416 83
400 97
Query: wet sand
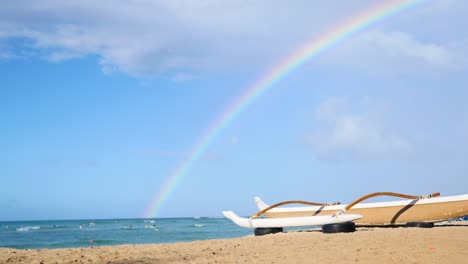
444 244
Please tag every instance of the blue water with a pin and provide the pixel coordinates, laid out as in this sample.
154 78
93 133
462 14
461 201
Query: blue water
86 233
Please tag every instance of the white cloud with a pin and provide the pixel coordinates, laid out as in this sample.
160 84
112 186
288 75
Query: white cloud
395 52
154 37
148 38
352 135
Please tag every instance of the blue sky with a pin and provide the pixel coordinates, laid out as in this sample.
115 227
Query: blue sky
100 102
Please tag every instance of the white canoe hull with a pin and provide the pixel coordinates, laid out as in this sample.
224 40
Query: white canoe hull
384 213
289 221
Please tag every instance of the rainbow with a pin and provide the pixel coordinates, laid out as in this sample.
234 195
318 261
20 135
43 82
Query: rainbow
310 49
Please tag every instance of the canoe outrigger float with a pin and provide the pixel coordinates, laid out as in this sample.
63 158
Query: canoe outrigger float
289 221
413 209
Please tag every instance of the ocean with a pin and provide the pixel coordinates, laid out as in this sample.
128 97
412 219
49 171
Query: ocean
87 233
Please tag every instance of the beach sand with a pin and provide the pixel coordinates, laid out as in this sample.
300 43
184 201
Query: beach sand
445 244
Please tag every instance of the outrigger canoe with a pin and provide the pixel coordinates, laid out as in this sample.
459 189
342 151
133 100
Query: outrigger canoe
300 221
412 209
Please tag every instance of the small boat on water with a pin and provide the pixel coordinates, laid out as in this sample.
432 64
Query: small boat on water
429 208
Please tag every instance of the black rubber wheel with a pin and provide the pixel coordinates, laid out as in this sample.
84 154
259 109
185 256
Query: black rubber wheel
419 224
346 227
266 231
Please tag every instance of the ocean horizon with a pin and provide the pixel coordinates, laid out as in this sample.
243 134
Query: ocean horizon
110 232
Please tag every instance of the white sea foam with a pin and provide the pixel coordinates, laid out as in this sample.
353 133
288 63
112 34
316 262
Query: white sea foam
199 225
27 228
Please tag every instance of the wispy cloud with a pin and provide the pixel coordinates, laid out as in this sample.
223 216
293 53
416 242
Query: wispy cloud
87 163
396 52
234 140
5 53
349 135
182 77
148 38
180 38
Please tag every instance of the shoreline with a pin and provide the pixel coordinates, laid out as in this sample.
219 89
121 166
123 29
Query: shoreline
441 244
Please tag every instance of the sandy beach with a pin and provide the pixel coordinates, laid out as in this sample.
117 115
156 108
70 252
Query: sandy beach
444 244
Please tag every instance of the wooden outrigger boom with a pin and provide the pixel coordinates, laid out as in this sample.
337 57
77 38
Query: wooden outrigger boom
372 195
